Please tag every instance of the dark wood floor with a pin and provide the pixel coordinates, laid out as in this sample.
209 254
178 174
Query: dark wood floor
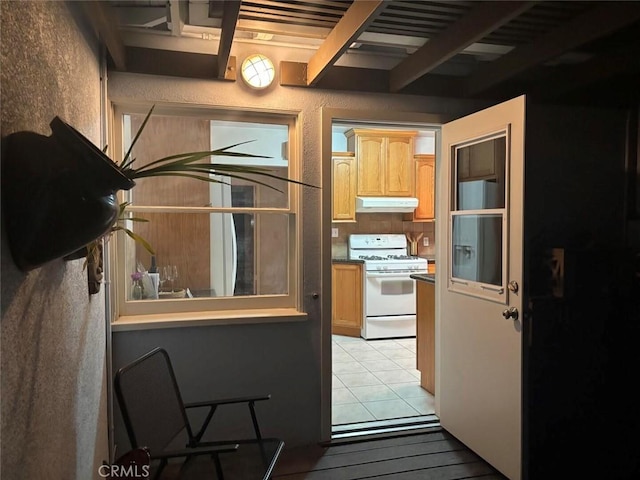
435 455
426 456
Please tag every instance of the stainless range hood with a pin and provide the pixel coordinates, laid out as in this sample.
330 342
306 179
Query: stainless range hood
386 204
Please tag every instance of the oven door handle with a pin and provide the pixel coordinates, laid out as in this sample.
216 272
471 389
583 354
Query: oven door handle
390 275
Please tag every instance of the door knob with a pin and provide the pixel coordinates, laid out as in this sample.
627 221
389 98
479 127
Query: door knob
510 313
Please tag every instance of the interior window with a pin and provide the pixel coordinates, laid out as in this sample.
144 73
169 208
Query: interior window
230 239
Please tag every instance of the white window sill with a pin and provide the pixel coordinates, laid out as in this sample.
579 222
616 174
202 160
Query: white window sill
208 318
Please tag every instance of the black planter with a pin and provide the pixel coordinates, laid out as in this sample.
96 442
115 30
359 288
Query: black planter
58 193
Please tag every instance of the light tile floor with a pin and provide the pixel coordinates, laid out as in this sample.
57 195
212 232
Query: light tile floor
376 380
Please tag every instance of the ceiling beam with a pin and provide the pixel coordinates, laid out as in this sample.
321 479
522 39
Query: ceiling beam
595 23
230 14
104 22
179 10
260 26
481 20
152 61
356 79
354 21
139 17
293 74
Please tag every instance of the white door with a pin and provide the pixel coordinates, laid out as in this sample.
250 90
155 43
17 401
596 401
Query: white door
480 185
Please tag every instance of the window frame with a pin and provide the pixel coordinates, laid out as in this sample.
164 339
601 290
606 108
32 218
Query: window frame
255 307
498 294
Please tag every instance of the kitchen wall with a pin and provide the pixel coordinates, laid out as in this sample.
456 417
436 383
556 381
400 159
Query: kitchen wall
424 142
53 367
383 223
165 232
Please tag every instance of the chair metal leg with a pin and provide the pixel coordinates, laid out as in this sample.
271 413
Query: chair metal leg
254 419
163 463
216 460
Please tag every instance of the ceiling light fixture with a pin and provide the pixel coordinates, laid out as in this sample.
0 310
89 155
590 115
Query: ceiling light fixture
258 71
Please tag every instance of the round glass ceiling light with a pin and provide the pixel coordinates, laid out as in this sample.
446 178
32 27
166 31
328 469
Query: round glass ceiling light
258 71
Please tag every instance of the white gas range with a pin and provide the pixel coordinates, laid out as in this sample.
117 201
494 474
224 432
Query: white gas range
389 292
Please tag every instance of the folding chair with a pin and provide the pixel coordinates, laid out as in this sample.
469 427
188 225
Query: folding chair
156 419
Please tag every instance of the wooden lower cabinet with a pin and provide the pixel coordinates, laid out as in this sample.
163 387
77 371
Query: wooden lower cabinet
346 290
426 335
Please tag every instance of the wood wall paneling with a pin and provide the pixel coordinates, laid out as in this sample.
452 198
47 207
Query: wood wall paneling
272 266
178 239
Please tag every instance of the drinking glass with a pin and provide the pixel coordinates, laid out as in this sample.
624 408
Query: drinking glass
167 275
174 276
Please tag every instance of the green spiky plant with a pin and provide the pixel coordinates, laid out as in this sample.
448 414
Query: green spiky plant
189 165
119 226
92 248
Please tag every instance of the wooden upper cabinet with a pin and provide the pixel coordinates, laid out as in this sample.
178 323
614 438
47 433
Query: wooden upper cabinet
425 187
480 161
344 172
371 165
385 162
399 166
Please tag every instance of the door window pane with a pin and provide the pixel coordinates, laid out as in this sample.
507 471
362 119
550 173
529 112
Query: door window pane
478 216
477 248
480 175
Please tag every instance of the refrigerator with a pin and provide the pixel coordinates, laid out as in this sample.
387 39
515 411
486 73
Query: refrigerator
224 245
477 237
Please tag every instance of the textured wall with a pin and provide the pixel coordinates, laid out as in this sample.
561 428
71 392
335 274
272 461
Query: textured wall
53 334
283 359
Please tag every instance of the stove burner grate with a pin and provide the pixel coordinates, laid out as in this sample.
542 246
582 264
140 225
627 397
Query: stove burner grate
388 257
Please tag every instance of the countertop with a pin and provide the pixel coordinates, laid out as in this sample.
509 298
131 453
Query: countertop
425 277
346 260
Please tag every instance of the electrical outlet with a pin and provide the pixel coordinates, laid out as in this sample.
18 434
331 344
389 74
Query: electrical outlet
425 241
334 233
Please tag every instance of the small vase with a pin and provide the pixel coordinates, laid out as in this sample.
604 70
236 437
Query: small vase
58 193
136 291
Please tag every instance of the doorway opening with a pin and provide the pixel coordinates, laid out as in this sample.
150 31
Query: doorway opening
376 386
